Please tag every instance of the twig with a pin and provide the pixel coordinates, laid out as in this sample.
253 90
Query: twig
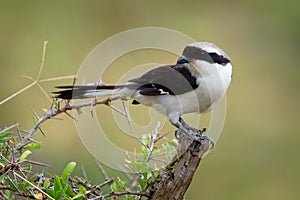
54 111
127 115
37 163
108 181
102 170
8 128
37 80
24 179
57 78
43 60
89 186
83 172
19 132
3 195
18 92
153 141
112 194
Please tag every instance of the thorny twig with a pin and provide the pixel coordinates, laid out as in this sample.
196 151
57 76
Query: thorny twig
56 109
102 170
154 139
37 80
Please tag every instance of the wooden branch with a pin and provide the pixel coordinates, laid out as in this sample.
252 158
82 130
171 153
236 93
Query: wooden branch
174 180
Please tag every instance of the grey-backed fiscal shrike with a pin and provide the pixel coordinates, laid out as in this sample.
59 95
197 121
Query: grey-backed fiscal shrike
196 83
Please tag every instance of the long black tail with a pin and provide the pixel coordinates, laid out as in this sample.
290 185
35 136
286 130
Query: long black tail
85 91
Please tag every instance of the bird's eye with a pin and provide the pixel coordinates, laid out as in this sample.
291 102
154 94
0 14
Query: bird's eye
219 59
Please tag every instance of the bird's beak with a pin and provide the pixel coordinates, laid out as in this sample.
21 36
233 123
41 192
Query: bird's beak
182 60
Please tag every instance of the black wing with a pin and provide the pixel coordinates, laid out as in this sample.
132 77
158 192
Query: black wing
170 79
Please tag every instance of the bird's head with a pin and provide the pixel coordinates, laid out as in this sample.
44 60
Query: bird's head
206 56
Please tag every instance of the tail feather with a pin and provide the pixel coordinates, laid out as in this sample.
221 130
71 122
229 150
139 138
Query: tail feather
85 91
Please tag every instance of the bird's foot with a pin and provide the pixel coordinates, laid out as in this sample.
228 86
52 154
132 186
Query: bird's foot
188 131
197 144
198 139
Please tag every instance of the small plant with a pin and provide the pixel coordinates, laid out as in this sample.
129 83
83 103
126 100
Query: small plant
17 178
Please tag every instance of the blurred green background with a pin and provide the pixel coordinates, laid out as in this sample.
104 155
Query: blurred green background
257 156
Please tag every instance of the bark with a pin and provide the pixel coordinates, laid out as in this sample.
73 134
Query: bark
174 180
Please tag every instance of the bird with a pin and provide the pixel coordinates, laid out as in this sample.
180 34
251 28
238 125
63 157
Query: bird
194 84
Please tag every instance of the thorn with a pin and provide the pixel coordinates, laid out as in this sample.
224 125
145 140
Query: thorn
99 81
36 115
70 116
74 81
56 118
93 103
8 128
42 131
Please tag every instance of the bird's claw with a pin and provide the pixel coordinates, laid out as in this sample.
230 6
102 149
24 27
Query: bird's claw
198 139
196 146
202 138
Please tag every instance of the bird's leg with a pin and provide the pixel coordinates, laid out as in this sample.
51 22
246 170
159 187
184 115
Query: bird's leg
186 131
188 127
197 138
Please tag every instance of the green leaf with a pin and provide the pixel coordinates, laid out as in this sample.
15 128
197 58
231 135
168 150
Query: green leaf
121 184
45 110
154 176
7 193
12 185
68 170
51 192
31 193
56 183
33 146
145 141
24 155
131 197
56 103
58 194
114 187
29 167
80 110
46 183
57 188
173 143
22 185
142 183
35 121
149 175
5 134
165 146
141 166
67 189
81 193
144 175
168 147
157 152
